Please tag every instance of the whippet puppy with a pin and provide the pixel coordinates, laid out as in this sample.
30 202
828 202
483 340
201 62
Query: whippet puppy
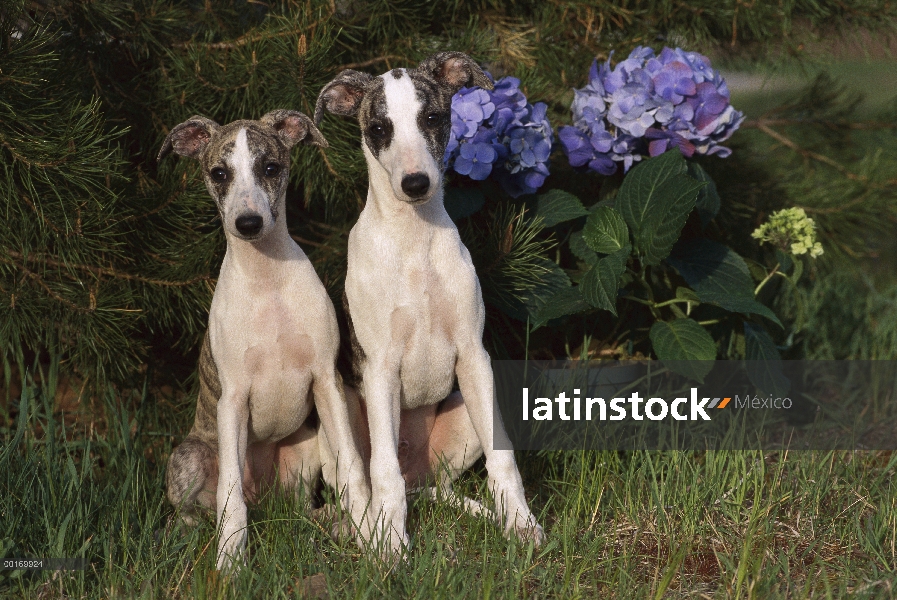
414 302
270 351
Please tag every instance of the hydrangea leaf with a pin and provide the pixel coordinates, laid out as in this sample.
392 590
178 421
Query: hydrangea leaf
764 365
605 230
688 294
557 206
463 202
686 345
599 285
566 301
720 277
708 201
581 249
655 200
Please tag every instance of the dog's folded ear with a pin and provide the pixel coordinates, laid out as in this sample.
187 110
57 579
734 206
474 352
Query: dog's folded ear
343 95
454 70
293 127
189 138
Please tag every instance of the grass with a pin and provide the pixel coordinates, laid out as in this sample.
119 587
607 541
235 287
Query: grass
89 482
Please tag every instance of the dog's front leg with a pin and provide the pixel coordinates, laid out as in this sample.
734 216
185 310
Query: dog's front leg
233 433
388 502
334 413
474 371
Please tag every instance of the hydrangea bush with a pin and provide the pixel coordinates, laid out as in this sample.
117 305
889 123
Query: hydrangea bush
646 105
500 134
702 299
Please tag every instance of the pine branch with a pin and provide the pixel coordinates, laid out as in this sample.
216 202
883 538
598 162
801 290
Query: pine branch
45 260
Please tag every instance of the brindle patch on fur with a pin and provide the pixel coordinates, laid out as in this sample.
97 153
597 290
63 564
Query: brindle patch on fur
435 99
205 425
189 467
265 151
357 357
219 189
373 112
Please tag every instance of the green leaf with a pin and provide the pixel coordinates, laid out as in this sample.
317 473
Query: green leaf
566 301
605 230
557 206
599 285
720 277
463 202
689 348
655 200
580 248
763 363
684 293
708 201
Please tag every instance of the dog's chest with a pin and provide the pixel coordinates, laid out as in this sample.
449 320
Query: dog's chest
426 302
268 354
425 329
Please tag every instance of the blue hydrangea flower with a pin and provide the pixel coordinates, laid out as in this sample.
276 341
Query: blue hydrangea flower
475 160
499 133
646 105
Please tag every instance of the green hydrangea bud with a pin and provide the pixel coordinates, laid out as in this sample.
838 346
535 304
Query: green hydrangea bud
790 230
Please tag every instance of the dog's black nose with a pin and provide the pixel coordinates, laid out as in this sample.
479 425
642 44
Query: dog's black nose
416 184
249 225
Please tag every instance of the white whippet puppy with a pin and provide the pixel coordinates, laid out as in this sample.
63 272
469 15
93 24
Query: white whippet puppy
414 303
270 351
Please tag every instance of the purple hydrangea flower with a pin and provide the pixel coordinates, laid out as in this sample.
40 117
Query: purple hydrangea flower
475 160
646 105
499 133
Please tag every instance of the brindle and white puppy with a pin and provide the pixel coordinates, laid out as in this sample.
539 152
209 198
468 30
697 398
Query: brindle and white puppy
415 304
270 350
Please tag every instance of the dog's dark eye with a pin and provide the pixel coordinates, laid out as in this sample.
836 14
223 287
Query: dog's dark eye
272 170
434 119
218 174
376 130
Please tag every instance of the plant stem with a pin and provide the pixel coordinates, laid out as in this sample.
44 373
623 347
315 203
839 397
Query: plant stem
768 277
673 301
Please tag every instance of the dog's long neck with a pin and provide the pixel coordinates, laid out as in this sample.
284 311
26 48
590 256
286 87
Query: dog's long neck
264 259
396 217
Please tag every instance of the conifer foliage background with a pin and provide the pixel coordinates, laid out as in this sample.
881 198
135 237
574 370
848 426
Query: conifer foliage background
108 259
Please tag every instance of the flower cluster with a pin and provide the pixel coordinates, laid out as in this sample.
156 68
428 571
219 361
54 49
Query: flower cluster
499 133
646 105
790 230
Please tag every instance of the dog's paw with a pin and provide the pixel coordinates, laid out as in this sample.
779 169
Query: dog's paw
341 528
392 555
527 529
231 550
391 549
530 531
229 564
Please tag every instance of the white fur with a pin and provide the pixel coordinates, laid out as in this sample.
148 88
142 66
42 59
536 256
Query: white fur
274 338
418 313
